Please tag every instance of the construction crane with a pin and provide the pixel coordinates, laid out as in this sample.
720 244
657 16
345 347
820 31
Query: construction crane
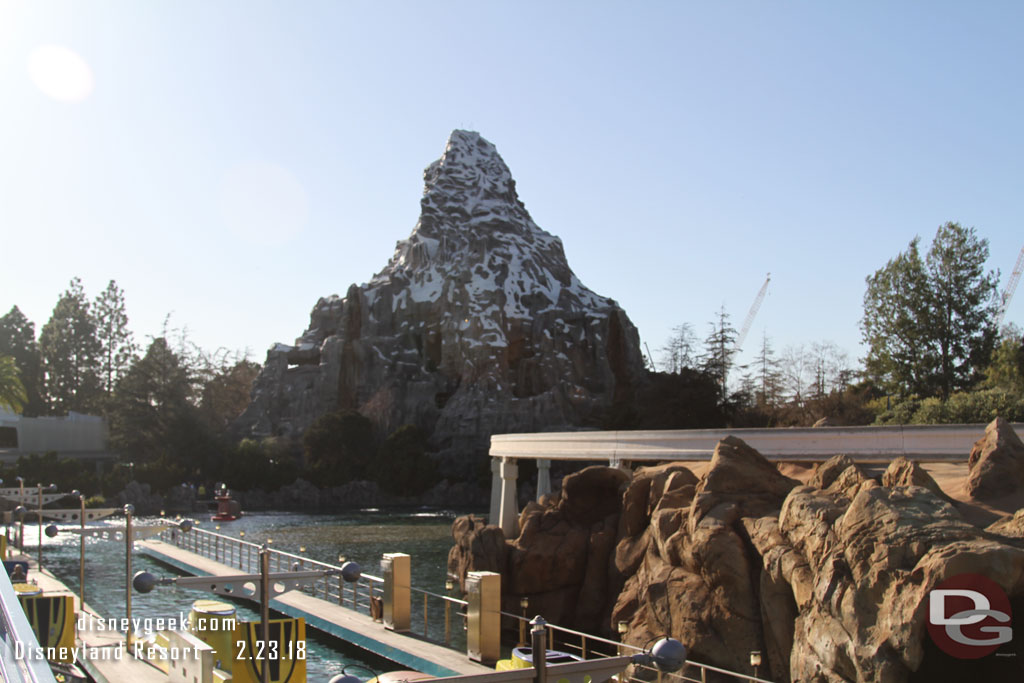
1011 287
754 308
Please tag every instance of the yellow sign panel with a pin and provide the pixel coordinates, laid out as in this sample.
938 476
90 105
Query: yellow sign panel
53 619
284 651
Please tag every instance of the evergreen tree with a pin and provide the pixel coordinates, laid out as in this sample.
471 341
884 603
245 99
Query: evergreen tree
680 350
18 340
894 325
226 392
116 346
718 351
928 323
768 384
151 405
1006 371
963 305
70 352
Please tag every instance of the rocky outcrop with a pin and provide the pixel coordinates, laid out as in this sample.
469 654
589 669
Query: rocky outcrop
560 558
830 580
996 462
477 325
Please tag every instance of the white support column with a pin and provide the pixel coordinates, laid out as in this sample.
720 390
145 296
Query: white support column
509 515
543 477
495 516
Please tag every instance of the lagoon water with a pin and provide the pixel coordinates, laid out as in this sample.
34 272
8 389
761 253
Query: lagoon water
362 536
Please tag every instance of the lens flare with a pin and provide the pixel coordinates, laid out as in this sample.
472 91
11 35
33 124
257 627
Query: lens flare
60 73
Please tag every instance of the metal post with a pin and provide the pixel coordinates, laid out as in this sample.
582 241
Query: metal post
128 510
539 643
21 519
40 527
265 610
81 552
447 622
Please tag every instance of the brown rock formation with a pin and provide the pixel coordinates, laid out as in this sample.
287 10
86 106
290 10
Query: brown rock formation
996 462
830 581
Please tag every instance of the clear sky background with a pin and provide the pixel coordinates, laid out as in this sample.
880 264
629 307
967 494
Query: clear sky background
231 162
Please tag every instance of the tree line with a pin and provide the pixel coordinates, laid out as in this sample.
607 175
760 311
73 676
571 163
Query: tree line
168 404
169 408
934 355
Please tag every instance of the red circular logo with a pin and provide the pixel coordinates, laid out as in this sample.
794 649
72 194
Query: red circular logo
969 616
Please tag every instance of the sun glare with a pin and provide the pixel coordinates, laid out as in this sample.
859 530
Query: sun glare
60 73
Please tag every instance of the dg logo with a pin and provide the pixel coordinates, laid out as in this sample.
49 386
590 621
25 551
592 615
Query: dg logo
969 616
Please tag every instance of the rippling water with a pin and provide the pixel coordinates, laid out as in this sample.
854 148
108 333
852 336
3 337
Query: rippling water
362 536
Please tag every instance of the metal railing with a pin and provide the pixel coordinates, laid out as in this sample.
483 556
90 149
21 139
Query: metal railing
451 637
244 556
18 642
589 646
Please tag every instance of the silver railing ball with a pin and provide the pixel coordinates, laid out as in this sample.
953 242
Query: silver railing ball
144 582
50 530
351 571
669 655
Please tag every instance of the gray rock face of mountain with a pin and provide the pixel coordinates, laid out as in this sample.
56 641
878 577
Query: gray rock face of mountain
476 326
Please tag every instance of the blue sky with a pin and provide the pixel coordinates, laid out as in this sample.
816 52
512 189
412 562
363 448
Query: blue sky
232 162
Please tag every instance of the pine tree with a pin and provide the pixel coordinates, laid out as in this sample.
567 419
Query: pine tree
718 350
769 378
680 350
963 306
117 348
70 353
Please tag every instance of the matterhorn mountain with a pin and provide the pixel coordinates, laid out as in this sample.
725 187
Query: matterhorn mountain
476 326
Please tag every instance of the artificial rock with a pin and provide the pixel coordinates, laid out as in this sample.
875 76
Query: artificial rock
476 326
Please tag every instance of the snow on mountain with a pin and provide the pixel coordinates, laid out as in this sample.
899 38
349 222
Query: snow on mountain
475 326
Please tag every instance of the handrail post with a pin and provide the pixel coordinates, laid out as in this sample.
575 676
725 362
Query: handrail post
397 591
483 613
128 510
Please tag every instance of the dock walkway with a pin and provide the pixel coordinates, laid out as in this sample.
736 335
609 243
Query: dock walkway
101 664
409 650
